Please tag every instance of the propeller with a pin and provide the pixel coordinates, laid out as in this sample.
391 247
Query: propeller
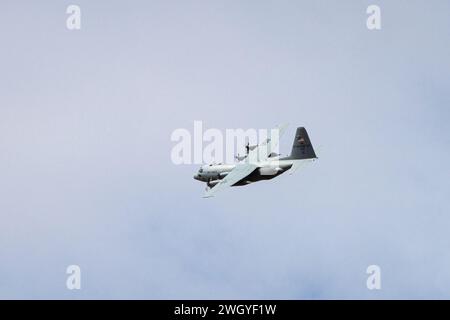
249 147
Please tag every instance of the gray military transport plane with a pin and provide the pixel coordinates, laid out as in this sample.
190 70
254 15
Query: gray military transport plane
260 163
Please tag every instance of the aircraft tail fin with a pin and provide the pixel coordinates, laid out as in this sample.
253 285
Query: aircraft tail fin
302 147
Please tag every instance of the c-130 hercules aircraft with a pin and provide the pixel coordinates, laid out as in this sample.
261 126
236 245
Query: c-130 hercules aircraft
267 165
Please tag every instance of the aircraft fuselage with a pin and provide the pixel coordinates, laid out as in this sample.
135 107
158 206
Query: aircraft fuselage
212 174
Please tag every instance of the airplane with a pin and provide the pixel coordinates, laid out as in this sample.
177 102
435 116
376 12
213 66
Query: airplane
267 165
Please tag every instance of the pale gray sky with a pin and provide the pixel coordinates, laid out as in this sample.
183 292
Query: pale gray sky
85 171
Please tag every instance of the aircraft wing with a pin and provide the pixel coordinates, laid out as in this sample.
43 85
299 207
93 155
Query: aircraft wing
238 173
264 149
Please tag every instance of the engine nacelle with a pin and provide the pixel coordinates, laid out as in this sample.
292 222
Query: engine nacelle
212 183
269 171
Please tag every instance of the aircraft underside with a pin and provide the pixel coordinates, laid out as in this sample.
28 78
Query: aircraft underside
256 176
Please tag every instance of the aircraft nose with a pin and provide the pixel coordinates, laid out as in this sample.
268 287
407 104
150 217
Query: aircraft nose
196 177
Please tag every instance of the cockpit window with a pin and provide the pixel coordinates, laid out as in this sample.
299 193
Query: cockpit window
201 170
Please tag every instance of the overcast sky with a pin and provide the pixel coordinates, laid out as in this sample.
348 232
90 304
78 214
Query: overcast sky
86 176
